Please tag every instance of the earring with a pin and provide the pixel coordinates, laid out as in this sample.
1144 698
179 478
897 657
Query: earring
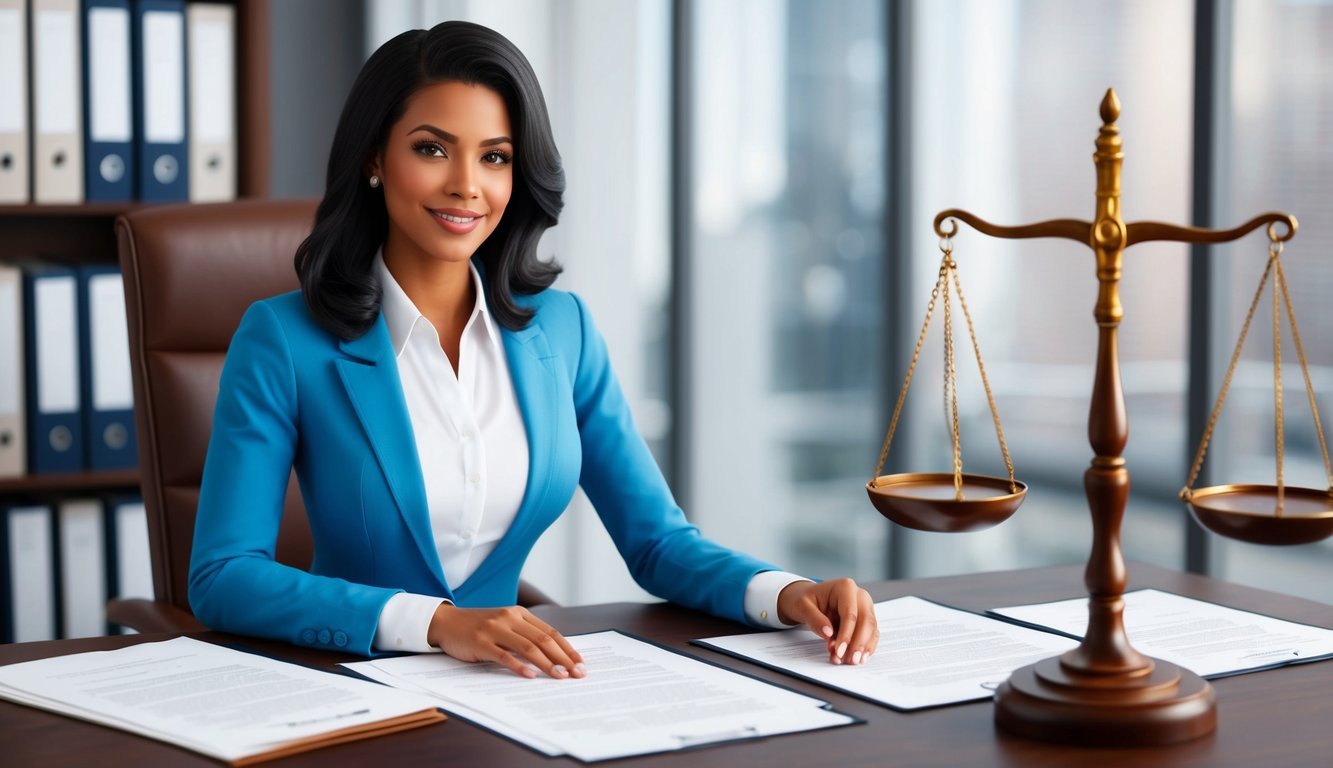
374 182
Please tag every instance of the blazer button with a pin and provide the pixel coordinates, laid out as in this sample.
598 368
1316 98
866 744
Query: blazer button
340 638
308 636
324 637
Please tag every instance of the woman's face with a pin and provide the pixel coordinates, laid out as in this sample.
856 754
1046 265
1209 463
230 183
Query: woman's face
447 172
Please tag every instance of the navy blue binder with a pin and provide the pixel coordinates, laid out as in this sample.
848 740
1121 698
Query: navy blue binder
108 103
51 347
28 581
161 130
104 363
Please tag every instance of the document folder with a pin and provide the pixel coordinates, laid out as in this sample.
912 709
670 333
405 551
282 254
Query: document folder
57 96
159 113
82 578
14 176
108 105
27 574
106 386
212 67
13 437
55 429
129 562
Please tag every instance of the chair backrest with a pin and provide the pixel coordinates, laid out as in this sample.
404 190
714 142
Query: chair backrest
190 273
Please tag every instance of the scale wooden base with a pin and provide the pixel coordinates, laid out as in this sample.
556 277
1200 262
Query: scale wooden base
1161 704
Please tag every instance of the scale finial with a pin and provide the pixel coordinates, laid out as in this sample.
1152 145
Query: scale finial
1110 107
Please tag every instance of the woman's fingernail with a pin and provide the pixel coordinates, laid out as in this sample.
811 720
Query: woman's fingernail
529 672
828 631
559 671
580 670
842 648
856 657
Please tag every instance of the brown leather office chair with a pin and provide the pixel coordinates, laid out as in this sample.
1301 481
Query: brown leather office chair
190 273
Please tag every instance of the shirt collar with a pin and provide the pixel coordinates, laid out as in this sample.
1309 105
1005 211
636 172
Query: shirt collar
402 316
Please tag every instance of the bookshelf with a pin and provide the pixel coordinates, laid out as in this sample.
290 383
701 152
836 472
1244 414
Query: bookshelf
85 234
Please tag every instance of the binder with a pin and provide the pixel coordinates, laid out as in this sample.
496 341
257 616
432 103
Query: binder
108 106
212 99
106 386
27 574
51 342
160 132
13 438
128 558
57 101
82 572
14 176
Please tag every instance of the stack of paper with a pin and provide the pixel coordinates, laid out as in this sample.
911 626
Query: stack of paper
637 698
226 704
929 655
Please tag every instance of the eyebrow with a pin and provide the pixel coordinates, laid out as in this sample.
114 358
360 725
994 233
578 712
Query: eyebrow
452 139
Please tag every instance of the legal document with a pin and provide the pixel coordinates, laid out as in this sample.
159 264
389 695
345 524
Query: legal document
233 706
929 655
638 698
1208 639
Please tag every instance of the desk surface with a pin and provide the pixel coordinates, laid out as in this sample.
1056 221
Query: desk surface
1278 717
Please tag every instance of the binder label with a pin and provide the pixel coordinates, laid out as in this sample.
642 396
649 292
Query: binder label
13 92
10 348
109 72
211 42
164 79
113 387
57 345
55 38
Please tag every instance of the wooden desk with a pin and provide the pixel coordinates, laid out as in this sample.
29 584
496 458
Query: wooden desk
1279 717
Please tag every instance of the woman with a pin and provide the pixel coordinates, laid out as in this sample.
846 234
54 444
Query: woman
440 402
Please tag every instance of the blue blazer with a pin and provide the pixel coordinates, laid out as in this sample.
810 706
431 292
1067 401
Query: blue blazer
294 395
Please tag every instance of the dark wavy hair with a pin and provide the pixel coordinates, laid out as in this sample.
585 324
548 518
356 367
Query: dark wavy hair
334 262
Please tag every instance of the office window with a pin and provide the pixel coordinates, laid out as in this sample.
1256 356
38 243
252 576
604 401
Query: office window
1277 156
1005 114
788 197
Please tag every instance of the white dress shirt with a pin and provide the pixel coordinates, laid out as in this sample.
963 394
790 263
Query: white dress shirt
473 450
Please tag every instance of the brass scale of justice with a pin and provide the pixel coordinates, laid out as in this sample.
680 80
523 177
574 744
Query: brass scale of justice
1104 692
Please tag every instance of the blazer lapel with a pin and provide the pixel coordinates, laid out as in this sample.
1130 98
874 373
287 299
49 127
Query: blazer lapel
372 383
530 367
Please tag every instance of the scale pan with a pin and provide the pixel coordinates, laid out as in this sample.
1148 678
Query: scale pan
927 502
1248 513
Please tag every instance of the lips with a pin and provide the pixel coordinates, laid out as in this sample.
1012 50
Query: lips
458 221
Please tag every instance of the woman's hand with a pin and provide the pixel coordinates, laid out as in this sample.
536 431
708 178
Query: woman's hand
506 636
838 611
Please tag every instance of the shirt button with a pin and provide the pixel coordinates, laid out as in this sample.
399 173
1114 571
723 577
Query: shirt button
474 478
340 638
468 434
468 534
308 636
324 637
763 615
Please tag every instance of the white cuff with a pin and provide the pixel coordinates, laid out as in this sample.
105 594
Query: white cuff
761 597
405 622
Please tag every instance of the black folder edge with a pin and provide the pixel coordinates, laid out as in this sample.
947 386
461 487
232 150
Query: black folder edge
991 613
853 719
878 702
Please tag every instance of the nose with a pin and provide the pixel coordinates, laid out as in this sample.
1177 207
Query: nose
462 181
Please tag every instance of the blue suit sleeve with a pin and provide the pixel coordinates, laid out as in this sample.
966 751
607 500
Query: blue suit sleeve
665 553
235 584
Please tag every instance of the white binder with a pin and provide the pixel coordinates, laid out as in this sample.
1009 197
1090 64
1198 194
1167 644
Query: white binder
57 97
13 436
82 567
211 31
14 176
30 576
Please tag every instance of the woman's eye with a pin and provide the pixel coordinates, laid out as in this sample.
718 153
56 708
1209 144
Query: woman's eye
495 158
428 148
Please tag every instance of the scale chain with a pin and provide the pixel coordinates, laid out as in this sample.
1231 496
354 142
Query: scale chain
1305 371
985 382
1276 249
